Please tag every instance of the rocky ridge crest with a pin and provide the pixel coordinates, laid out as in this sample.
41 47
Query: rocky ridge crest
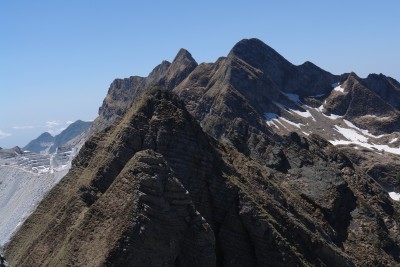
200 176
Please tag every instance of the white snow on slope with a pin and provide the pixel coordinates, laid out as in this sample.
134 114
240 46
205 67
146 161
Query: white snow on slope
339 89
386 148
291 123
365 132
393 140
304 114
295 98
332 116
269 119
355 136
394 196
351 134
272 119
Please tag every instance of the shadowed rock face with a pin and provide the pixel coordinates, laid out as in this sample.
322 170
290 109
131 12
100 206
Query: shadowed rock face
123 92
387 88
362 106
193 176
155 190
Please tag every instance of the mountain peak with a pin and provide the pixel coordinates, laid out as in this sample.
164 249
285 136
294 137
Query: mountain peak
183 54
257 53
182 65
245 44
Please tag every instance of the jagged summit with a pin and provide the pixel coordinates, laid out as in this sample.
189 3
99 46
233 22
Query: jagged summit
184 55
181 67
159 70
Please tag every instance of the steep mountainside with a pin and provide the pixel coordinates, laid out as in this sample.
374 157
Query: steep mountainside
123 92
228 165
155 190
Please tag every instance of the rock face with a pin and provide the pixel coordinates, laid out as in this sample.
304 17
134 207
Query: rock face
208 171
363 106
123 92
155 190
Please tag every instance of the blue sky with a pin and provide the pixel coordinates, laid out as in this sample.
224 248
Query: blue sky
57 58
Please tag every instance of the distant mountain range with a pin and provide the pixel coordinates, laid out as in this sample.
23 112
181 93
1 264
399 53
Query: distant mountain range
46 143
247 161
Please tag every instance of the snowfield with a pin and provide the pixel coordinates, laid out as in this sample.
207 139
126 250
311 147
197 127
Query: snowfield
338 89
357 136
394 196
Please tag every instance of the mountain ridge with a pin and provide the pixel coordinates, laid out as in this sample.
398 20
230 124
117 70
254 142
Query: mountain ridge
226 168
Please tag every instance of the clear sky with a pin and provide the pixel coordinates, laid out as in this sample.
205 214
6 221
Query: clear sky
57 58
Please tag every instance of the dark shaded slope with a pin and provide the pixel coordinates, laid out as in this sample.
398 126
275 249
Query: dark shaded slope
387 88
362 106
123 92
154 189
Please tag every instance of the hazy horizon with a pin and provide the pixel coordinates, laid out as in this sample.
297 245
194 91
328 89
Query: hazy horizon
58 59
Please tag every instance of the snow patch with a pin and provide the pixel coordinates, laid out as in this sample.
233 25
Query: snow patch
332 116
394 196
298 125
357 139
269 119
272 119
305 114
393 140
339 89
351 134
365 132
